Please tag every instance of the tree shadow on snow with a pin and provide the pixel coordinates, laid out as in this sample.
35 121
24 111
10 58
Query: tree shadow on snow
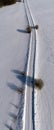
22 31
14 105
12 86
21 75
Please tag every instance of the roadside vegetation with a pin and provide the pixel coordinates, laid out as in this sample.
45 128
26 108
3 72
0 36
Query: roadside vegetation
38 84
7 2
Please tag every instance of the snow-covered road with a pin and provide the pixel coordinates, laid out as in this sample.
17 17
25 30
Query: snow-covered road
13 54
14 46
28 117
43 14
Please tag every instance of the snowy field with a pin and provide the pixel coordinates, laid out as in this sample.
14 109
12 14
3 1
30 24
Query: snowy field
43 14
14 44
13 50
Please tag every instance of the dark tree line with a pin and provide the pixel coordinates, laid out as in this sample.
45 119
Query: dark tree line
7 2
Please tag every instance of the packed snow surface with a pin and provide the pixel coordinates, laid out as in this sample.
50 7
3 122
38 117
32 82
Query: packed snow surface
43 14
13 50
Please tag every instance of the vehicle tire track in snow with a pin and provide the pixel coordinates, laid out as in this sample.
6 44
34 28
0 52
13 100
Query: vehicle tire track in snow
28 115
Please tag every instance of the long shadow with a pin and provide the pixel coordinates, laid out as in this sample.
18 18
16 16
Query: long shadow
8 126
16 106
23 78
12 86
18 72
22 31
15 88
12 115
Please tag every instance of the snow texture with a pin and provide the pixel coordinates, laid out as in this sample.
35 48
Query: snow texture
43 14
13 57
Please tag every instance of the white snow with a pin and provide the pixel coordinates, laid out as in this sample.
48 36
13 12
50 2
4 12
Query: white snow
13 50
43 14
